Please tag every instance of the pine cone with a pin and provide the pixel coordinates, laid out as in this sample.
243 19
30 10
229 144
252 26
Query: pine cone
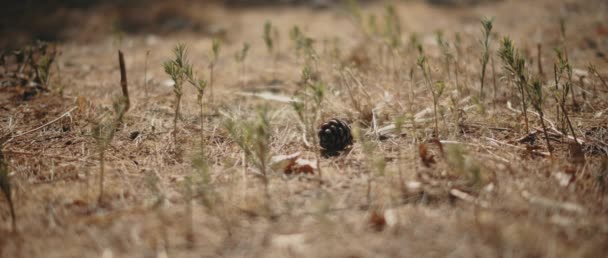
334 136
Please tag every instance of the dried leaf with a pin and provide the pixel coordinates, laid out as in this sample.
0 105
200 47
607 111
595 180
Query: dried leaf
427 158
377 221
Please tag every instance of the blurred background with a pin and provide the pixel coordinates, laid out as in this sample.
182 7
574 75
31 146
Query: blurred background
86 20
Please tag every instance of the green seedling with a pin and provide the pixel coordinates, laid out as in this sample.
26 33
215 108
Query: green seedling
240 58
303 43
535 91
392 27
436 89
308 109
255 138
215 49
593 70
485 43
105 128
200 85
444 45
177 69
515 65
103 133
562 68
271 35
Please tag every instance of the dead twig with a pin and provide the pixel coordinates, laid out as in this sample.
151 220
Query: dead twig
548 203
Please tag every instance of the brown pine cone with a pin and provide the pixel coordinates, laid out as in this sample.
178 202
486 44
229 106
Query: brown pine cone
334 136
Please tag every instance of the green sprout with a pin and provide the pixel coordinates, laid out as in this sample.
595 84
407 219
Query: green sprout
200 85
436 89
271 35
485 43
254 138
240 58
535 91
561 67
515 65
215 48
177 68
308 107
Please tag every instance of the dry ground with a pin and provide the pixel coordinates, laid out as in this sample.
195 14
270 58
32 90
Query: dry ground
504 200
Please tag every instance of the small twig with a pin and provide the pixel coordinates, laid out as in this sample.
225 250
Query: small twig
469 198
123 80
514 146
542 201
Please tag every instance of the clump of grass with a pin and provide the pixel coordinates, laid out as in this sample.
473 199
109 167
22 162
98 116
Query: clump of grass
487 24
515 65
255 138
436 89
5 187
177 68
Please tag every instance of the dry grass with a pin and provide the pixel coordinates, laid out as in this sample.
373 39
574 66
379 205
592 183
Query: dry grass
480 191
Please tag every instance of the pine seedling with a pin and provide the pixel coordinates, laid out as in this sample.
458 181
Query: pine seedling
560 67
255 138
200 85
593 70
177 68
392 27
240 59
103 133
215 48
485 43
5 187
106 126
535 91
436 89
303 43
270 39
444 45
308 110
515 65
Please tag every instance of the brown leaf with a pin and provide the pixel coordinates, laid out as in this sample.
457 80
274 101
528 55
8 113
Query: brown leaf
301 166
377 221
427 158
